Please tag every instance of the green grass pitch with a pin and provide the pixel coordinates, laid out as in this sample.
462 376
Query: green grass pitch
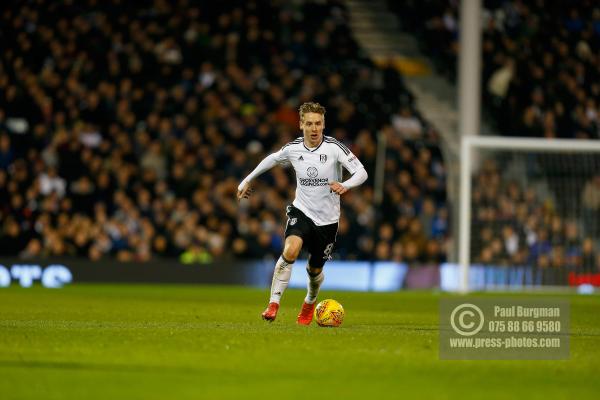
206 342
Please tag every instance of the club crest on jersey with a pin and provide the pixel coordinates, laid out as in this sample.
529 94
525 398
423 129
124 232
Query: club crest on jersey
293 221
323 158
312 172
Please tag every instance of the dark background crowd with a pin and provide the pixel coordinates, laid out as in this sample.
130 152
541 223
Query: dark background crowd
513 225
540 78
540 64
125 129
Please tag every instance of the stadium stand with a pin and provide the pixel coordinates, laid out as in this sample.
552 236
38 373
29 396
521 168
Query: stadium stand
125 129
518 228
540 79
540 61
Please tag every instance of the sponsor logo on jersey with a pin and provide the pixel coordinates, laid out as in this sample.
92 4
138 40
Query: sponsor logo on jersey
313 181
300 158
293 221
312 172
323 158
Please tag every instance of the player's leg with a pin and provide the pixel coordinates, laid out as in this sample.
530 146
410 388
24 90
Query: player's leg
283 267
320 251
296 229
282 274
315 280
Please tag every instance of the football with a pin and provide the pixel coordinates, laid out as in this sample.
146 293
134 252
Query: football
329 313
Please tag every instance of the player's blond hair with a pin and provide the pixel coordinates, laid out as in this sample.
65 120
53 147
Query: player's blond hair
311 108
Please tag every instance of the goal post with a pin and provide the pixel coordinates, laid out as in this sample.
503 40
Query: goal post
538 185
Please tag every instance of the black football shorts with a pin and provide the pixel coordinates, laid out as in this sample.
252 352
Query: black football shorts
317 240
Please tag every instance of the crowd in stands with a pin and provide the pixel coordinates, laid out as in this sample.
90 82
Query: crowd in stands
512 225
540 63
540 78
126 128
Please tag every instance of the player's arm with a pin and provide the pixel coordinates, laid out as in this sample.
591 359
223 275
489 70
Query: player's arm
355 167
357 179
245 188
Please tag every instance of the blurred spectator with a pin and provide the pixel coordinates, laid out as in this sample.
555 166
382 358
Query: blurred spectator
50 182
13 239
590 199
6 153
407 125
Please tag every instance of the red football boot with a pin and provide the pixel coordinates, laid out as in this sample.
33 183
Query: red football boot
271 312
306 314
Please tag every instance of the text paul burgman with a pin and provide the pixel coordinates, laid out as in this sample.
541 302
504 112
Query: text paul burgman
527 312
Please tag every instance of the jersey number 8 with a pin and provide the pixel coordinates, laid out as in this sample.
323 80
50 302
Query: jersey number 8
327 251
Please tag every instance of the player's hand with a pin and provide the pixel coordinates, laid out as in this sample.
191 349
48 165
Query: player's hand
337 188
246 192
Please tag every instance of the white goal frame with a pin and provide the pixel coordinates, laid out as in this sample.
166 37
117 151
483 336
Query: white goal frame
467 153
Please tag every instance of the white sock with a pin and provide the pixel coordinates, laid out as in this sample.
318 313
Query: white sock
281 279
313 286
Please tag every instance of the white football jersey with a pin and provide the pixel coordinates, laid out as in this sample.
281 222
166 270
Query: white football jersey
315 169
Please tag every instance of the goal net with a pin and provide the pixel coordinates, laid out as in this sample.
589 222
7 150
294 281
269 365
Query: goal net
529 213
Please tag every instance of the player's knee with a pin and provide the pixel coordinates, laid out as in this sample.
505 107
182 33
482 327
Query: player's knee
290 254
313 271
291 251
